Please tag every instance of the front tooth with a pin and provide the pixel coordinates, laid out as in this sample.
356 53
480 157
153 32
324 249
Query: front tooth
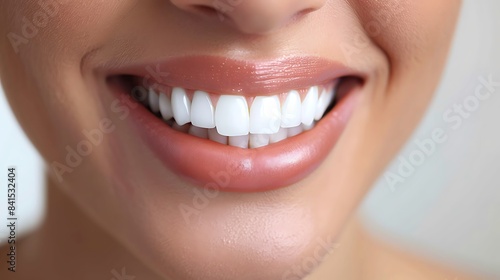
309 106
323 102
202 110
279 136
258 140
216 137
265 115
291 110
165 107
198 132
154 101
239 141
181 106
231 116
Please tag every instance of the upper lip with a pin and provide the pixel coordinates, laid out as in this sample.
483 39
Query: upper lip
222 75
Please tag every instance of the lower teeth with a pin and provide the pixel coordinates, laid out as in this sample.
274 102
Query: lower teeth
251 141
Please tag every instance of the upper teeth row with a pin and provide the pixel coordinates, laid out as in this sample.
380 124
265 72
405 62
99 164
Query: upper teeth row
233 117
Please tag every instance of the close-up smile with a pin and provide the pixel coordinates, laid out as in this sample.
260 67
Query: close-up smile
225 139
274 125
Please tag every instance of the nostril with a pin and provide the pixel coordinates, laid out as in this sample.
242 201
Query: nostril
252 17
299 15
206 10
305 12
220 13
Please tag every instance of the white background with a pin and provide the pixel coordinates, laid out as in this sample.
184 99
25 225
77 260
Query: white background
449 209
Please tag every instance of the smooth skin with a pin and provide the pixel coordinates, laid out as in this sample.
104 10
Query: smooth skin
119 208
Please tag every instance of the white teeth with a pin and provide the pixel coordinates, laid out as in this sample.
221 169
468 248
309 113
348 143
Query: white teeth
323 102
258 140
165 107
232 122
239 141
181 106
294 131
279 136
202 110
306 127
231 115
198 132
154 101
216 137
291 110
309 106
265 115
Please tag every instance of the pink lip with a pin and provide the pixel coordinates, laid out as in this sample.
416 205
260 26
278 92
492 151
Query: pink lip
222 75
212 165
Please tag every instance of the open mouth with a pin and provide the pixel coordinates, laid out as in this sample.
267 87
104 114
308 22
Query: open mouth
239 126
236 120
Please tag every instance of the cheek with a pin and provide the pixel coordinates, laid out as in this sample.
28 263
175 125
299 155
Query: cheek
45 40
408 30
58 27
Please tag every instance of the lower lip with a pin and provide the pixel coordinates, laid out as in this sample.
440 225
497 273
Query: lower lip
215 166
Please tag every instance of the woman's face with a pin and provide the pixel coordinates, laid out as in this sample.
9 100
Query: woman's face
198 208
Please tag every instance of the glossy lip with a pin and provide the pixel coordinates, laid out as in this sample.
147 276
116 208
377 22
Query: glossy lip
221 75
215 166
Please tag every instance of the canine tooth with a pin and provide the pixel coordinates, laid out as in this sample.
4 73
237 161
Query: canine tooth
294 131
323 102
279 136
265 115
291 110
309 105
154 101
165 107
181 106
215 136
202 110
198 132
239 141
258 140
231 116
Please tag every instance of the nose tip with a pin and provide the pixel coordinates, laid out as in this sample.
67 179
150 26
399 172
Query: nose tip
252 16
